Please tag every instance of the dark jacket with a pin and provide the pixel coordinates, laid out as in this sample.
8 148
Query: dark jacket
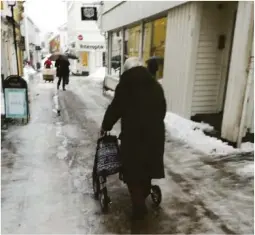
62 67
140 104
152 66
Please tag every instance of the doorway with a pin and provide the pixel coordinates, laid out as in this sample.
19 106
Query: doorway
213 60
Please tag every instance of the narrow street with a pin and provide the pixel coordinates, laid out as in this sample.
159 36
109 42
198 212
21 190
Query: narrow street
47 185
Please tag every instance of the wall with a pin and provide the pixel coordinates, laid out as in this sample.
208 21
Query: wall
108 5
183 24
237 80
75 26
211 62
129 12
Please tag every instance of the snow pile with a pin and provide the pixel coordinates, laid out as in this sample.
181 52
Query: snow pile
98 75
247 146
192 133
109 93
247 170
28 71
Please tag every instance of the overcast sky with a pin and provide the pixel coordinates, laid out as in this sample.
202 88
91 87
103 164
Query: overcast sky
47 14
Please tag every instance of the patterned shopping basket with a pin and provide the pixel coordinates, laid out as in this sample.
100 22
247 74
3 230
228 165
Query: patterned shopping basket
107 157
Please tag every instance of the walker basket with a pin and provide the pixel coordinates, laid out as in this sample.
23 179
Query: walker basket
107 157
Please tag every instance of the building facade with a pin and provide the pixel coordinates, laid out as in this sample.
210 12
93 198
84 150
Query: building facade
8 55
84 37
33 37
206 49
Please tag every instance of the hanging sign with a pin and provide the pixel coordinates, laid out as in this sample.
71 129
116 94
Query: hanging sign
16 97
89 13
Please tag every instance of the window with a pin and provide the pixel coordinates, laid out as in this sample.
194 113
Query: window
132 41
154 42
115 59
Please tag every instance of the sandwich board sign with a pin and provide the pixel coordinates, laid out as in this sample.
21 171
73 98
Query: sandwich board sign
16 97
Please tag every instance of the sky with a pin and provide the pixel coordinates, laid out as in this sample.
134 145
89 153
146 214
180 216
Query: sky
47 14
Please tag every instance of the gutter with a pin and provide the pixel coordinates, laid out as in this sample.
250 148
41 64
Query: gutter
113 7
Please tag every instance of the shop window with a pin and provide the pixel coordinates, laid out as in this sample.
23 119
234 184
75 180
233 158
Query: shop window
132 41
154 42
115 69
84 58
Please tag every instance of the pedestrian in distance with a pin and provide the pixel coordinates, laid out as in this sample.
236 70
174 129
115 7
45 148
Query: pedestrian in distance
48 63
62 64
139 103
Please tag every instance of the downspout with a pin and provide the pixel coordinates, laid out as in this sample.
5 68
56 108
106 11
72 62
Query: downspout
245 102
26 33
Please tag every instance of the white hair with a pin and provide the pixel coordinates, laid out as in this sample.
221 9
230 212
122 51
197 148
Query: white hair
132 62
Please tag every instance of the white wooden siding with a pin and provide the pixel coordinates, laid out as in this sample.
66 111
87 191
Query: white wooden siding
130 12
250 108
211 63
237 78
183 24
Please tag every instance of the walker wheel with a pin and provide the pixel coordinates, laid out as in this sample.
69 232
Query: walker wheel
96 185
156 195
104 200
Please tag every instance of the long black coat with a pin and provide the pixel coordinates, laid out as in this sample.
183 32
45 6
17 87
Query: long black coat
62 67
140 104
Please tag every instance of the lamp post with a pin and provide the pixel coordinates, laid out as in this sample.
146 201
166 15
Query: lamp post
12 5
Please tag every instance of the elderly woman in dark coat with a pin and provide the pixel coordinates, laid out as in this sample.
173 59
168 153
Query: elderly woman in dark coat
140 104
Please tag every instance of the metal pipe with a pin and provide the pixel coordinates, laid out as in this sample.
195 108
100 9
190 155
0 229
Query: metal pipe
15 42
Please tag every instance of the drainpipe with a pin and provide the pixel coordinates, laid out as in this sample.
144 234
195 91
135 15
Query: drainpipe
26 33
245 102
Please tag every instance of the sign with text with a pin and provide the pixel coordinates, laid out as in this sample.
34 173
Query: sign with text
89 13
16 97
92 47
15 103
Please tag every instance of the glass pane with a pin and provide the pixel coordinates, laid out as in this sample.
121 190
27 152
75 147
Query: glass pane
154 44
116 54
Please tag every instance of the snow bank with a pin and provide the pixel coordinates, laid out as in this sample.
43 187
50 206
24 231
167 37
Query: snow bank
247 146
192 133
98 75
109 93
28 71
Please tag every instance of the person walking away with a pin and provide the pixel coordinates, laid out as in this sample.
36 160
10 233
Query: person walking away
139 102
152 66
62 65
48 64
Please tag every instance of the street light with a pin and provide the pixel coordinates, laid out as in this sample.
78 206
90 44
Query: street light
12 5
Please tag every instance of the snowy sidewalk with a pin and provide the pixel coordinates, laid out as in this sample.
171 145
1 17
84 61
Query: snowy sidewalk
46 175
210 182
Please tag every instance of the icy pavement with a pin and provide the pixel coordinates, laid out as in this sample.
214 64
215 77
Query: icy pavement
46 176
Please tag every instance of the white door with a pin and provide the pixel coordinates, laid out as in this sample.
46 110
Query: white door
212 60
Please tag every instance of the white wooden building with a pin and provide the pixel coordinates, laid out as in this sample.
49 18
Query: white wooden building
208 58
84 39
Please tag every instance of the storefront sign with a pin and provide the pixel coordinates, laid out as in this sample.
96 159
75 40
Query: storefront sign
16 97
55 44
15 102
92 47
89 13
